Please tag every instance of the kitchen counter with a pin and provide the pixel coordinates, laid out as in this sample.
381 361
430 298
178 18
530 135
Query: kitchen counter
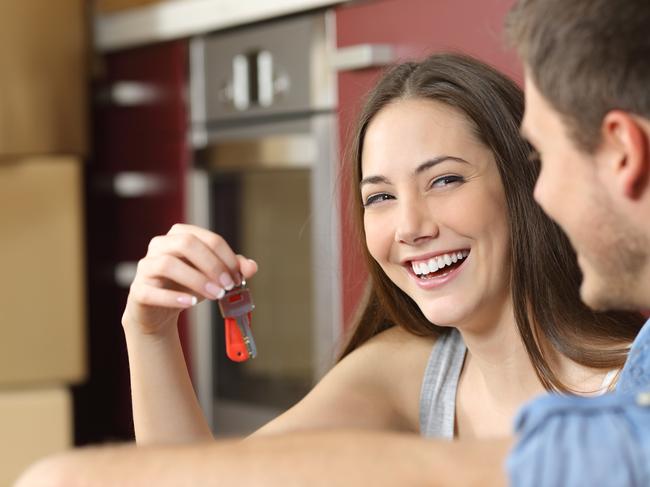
174 19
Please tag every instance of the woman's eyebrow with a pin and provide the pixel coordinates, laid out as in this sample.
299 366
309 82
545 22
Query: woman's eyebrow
436 160
418 170
374 180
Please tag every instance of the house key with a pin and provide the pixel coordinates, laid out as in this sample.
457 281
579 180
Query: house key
236 308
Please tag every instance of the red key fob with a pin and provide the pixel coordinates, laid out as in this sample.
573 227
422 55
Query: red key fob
235 347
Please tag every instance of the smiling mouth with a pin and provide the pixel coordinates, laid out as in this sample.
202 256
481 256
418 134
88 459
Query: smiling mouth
439 265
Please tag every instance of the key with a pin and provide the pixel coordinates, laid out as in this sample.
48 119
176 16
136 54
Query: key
236 308
241 305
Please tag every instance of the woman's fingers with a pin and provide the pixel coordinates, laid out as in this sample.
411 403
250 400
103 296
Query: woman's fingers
192 263
247 267
205 250
214 243
158 297
195 252
170 268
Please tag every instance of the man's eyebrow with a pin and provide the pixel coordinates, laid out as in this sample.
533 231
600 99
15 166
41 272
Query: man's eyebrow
418 170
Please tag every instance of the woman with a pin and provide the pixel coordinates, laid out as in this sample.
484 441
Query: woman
473 305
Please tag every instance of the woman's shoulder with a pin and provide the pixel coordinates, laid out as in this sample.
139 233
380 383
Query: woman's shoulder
398 359
399 349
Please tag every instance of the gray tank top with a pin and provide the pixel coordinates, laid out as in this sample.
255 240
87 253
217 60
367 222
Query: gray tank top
438 393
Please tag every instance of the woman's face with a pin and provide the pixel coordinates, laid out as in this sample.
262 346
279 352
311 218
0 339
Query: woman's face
435 213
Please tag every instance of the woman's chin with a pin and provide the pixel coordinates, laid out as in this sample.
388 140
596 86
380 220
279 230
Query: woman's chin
444 317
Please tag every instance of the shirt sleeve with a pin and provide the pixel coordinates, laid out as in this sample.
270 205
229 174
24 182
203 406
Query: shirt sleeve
577 441
636 373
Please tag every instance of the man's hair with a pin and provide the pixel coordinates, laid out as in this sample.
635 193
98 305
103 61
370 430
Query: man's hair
586 57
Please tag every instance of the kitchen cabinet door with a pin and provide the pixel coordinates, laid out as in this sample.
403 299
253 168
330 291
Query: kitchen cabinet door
43 58
135 191
414 29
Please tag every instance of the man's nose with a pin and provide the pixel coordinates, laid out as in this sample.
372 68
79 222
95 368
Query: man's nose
416 222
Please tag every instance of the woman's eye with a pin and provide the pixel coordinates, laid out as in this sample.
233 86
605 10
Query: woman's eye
376 198
446 181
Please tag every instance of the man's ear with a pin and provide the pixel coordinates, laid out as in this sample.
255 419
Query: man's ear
627 143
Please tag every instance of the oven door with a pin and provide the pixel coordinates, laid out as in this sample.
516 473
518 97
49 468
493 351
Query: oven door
269 190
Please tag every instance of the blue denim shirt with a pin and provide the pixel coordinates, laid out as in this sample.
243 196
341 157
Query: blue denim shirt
601 441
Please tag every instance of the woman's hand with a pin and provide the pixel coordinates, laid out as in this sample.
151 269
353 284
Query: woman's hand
184 267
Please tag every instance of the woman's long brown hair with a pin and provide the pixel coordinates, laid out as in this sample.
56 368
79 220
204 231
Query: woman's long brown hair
544 274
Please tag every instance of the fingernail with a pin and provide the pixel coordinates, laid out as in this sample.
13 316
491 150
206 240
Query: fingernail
187 300
239 279
226 280
213 290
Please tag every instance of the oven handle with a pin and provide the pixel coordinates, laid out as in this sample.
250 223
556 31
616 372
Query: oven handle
363 56
286 151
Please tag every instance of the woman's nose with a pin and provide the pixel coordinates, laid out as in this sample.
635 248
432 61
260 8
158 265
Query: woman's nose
416 223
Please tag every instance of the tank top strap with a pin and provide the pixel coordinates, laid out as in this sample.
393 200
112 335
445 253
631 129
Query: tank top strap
439 385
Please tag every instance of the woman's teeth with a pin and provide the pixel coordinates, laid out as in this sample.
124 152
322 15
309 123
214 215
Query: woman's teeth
422 268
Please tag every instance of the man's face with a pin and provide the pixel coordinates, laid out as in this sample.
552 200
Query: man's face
578 191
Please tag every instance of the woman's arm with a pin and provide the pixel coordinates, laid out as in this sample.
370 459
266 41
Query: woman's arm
181 268
346 458
376 387
165 407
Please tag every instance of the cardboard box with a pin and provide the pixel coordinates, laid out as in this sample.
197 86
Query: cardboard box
110 6
42 290
34 423
43 77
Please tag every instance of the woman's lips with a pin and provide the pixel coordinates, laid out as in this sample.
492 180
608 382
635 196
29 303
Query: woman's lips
437 281
432 263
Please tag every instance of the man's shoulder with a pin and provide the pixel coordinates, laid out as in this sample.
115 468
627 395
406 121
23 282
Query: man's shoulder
568 440
636 373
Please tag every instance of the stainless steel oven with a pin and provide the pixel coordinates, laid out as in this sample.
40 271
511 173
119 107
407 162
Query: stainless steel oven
265 157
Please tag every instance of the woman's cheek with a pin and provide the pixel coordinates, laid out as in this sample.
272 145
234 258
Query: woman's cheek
372 242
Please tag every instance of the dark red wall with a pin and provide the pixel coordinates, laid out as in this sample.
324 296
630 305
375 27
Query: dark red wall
415 28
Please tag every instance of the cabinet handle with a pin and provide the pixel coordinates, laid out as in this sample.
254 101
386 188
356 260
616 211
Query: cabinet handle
137 184
124 273
362 56
271 81
130 94
240 79
265 89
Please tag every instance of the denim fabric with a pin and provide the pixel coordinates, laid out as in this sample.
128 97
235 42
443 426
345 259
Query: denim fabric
600 441
636 373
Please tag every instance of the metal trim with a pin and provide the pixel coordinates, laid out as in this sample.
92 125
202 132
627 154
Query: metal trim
200 316
362 56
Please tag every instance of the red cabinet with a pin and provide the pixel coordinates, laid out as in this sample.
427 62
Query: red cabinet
414 28
135 190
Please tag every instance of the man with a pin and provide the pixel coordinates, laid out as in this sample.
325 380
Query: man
588 114
587 77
